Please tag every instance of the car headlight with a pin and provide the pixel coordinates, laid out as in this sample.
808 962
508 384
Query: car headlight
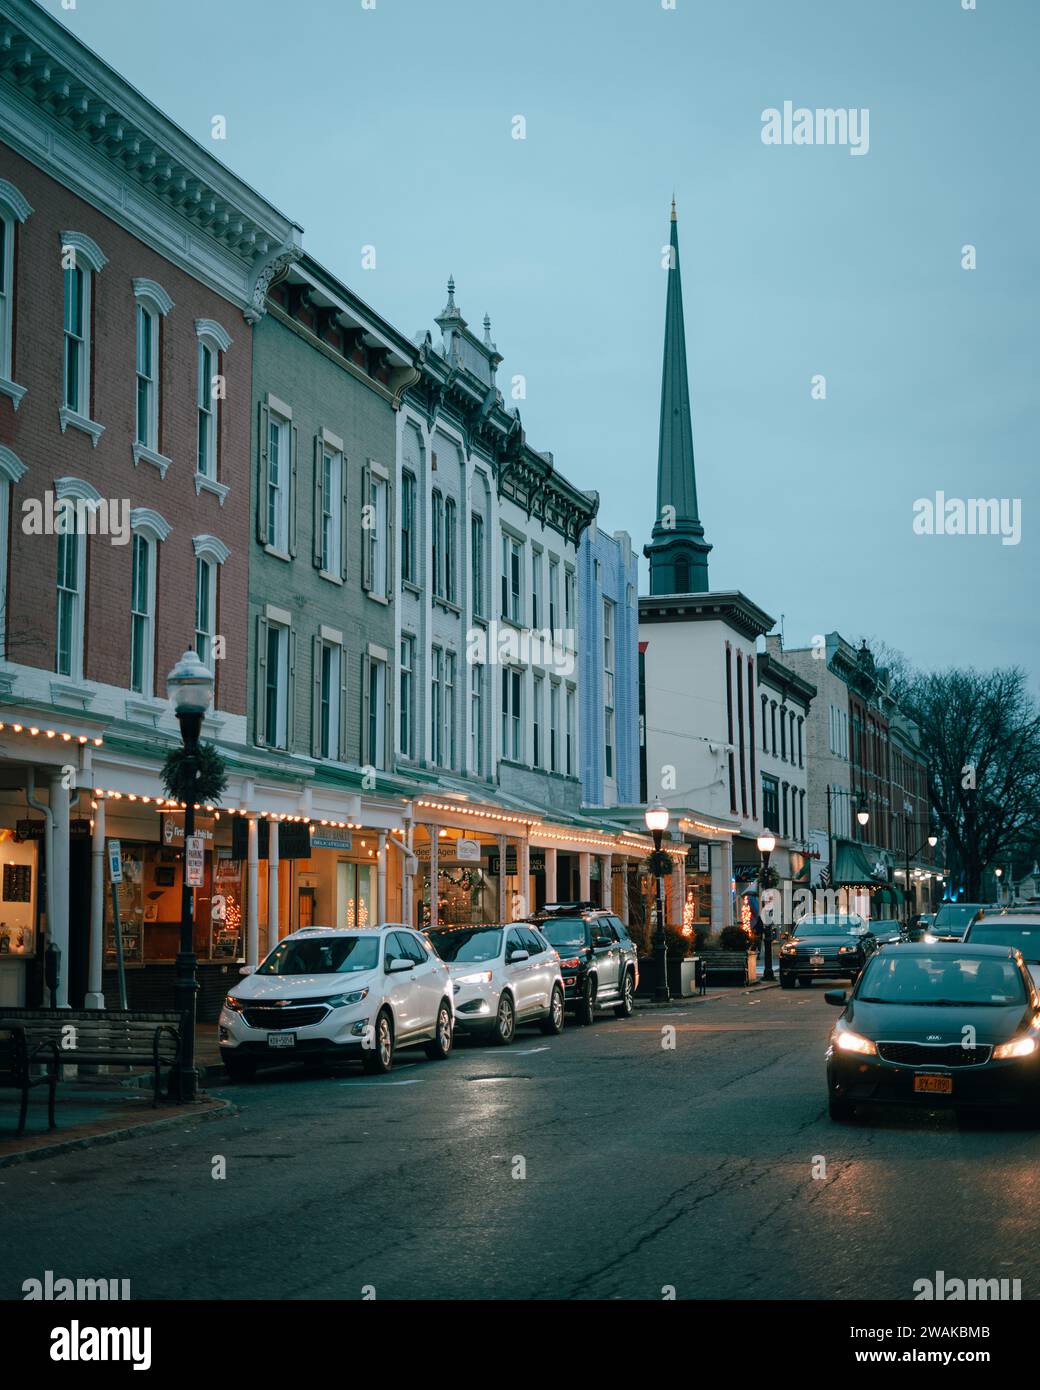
929 938
478 977
235 1005
1017 1047
340 1001
848 1041
847 950
788 950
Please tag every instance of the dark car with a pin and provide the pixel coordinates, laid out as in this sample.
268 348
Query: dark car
598 958
831 946
941 1024
1010 926
953 919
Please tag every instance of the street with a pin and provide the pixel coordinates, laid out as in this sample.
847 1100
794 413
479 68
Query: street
646 1168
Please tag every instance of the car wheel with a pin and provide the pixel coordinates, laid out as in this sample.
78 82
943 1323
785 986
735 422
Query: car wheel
585 1013
440 1045
505 1022
240 1068
379 1058
838 1108
627 1007
786 982
552 1023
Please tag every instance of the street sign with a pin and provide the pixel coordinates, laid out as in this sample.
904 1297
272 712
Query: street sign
195 861
115 862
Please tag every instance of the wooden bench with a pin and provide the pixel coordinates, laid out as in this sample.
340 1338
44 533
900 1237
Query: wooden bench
103 1037
16 1070
725 963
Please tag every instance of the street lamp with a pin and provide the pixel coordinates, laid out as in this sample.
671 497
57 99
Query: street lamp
863 817
657 818
766 845
190 685
998 874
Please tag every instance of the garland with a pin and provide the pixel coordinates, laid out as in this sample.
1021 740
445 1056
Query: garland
196 777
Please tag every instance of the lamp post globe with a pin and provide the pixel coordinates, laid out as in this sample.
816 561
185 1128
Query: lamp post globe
863 817
657 817
766 845
933 840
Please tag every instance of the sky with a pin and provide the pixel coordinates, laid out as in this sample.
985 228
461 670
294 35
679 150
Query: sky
390 124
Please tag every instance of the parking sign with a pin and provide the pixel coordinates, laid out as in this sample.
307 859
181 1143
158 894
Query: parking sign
115 862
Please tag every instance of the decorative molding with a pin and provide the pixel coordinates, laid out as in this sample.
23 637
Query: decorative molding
67 417
86 247
210 328
11 466
266 275
160 461
11 198
148 289
210 548
204 484
71 694
150 523
12 390
77 488
140 710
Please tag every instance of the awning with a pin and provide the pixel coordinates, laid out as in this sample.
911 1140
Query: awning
889 892
852 868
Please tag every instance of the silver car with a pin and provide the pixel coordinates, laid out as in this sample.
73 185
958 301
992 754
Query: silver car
502 975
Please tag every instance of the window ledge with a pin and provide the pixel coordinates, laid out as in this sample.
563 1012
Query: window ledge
203 483
447 605
142 709
410 587
71 693
160 461
13 390
377 598
332 578
67 417
278 555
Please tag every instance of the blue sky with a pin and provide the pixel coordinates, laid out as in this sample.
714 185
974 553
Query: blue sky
392 127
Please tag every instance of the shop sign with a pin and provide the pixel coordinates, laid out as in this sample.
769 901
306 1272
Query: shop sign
467 851
79 829
294 839
537 863
115 861
195 861
331 837
703 859
173 827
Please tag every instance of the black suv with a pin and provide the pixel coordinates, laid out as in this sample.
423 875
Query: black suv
598 958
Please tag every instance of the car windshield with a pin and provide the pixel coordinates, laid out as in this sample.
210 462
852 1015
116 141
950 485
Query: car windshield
1024 939
564 931
955 916
830 926
336 955
894 978
472 944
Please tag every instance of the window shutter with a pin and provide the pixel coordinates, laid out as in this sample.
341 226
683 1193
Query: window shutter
343 720
366 663
260 693
261 487
388 723
294 435
316 697
366 531
290 713
388 549
319 483
344 520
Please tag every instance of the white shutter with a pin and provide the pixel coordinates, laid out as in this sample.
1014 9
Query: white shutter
344 530
343 721
366 531
366 752
293 490
319 484
260 690
261 483
316 750
290 713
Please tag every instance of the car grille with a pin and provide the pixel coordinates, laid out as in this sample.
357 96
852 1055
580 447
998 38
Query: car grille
274 1019
933 1054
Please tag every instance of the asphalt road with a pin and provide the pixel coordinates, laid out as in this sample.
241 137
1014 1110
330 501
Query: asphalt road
711 1168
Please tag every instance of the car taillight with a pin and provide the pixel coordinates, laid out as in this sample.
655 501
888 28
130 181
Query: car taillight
571 964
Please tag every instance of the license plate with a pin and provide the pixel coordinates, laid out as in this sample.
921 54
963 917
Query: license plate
815 960
281 1040
934 1085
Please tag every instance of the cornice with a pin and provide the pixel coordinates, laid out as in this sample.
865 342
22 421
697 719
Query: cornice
731 607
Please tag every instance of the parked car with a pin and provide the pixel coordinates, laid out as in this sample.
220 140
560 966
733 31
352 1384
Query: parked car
952 920
328 993
598 959
502 976
945 1024
1010 926
920 927
826 946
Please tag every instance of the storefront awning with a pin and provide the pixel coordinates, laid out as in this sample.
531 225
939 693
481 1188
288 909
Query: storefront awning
854 869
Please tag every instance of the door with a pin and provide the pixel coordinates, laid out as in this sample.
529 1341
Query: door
607 957
429 982
518 974
402 987
541 968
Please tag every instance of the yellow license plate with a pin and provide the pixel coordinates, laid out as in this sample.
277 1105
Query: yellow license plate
934 1085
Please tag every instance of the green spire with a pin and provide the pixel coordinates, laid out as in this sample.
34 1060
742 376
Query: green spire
678 552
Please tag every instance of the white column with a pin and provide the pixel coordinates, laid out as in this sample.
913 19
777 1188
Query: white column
253 892
408 882
550 875
58 883
272 883
606 897
503 906
381 878
585 876
726 855
523 868
95 996
431 830
624 891
678 892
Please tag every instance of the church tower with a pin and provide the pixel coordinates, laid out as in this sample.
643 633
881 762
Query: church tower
678 552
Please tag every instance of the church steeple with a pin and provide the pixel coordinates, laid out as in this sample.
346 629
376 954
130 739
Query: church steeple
678 552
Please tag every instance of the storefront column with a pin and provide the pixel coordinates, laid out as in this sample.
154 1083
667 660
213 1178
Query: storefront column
585 876
523 866
253 892
675 916
95 998
550 875
58 883
606 896
431 830
726 856
624 892
272 884
503 906
719 887
381 879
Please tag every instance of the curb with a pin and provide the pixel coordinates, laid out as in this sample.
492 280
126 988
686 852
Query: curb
684 1001
217 1110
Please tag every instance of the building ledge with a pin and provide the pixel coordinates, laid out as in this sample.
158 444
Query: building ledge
67 417
12 390
205 484
160 461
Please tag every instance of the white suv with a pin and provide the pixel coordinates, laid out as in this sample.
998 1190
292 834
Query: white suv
502 976
325 993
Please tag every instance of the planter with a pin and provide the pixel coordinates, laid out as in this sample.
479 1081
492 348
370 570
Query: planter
681 976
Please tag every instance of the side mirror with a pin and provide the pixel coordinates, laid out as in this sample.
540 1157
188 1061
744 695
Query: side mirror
396 966
838 997
246 969
515 956
599 942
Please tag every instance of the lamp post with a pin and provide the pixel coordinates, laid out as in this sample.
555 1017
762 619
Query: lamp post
190 684
657 818
998 874
766 845
931 842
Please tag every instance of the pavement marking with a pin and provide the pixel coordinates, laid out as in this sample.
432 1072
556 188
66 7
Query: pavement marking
528 1051
412 1081
729 1027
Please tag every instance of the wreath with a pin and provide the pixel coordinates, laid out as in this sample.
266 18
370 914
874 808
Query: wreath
659 863
768 878
200 776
